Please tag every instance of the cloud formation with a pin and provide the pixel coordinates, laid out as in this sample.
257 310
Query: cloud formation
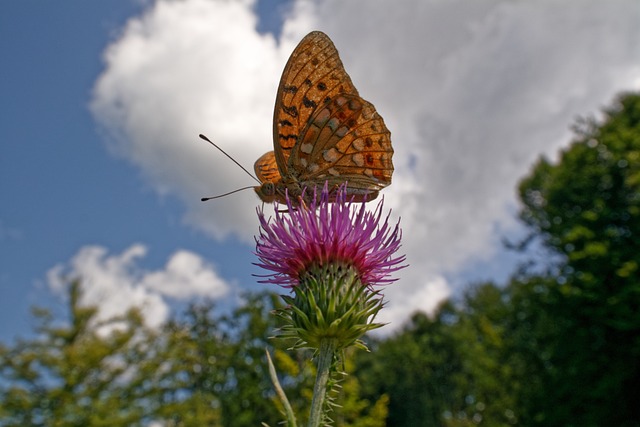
472 91
116 283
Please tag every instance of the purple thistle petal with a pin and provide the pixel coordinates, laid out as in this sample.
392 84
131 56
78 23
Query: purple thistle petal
328 232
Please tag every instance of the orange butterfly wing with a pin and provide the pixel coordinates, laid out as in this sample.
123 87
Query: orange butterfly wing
322 129
313 73
345 140
266 168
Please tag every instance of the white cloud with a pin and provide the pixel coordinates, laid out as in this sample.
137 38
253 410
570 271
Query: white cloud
116 283
473 92
425 297
186 68
186 275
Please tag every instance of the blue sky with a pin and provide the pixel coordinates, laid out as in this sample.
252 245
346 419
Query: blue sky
61 188
101 104
56 181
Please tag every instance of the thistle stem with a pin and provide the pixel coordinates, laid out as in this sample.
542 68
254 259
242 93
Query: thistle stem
325 359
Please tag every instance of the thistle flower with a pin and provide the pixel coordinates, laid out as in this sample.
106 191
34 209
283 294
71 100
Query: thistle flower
332 255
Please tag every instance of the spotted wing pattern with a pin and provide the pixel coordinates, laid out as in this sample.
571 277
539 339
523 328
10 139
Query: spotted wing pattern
345 140
323 130
313 73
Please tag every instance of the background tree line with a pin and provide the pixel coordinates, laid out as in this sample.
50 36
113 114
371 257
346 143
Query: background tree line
559 345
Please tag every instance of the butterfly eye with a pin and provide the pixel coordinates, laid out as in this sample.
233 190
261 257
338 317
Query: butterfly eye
268 193
268 189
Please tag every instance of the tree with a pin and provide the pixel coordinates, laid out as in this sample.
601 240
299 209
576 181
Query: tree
199 369
447 370
414 369
202 370
586 209
74 375
559 347
223 357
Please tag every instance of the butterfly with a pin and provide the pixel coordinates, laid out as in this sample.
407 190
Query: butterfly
323 131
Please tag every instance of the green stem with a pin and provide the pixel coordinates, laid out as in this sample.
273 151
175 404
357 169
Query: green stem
291 418
325 359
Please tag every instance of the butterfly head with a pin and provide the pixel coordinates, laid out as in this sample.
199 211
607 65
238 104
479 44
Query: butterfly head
278 192
268 193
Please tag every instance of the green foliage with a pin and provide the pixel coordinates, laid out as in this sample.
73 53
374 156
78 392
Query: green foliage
411 368
354 410
447 370
228 360
199 370
586 208
76 374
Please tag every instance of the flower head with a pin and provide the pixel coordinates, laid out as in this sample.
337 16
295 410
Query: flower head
326 232
332 255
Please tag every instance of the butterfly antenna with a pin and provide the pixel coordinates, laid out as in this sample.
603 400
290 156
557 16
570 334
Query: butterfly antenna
204 199
234 161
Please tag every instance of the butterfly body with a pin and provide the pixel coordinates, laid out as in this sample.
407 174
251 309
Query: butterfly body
323 131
